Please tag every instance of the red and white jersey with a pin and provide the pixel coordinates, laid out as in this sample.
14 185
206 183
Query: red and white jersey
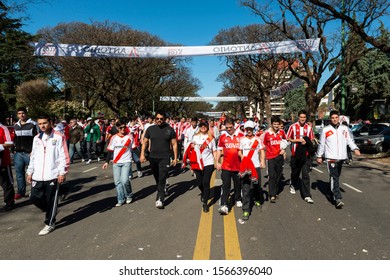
5 136
183 127
246 145
296 131
189 134
271 142
109 128
177 128
230 144
121 147
135 130
207 154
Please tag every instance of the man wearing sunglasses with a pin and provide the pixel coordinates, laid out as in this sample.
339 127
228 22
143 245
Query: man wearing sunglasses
161 137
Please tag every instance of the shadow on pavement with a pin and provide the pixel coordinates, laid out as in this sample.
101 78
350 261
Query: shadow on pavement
85 211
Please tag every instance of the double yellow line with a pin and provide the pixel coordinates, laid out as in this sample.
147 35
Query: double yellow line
203 240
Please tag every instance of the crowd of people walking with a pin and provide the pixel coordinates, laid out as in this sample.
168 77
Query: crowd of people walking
239 149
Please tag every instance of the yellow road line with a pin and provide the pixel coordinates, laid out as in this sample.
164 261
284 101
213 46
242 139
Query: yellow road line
203 240
232 244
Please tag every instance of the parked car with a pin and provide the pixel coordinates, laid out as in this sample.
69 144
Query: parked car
379 143
368 129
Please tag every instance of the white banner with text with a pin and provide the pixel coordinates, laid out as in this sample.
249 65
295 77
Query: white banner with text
74 50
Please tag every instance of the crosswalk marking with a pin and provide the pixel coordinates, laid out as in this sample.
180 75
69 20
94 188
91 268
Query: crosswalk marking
352 188
85 171
316 169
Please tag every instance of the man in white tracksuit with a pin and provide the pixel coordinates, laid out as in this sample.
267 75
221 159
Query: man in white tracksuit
333 145
49 163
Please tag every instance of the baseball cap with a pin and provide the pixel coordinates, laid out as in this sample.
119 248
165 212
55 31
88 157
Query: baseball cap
249 124
89 119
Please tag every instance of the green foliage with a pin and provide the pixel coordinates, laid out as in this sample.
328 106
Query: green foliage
16 62
370 79
61 108
294 102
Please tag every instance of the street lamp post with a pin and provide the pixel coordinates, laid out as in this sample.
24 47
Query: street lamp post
343 90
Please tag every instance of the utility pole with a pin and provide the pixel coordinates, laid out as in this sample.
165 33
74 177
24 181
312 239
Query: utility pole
343 89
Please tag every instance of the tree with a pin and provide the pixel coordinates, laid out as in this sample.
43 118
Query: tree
361 16
123 84
16 62
303 20
253 75
294 102
370 79
35 95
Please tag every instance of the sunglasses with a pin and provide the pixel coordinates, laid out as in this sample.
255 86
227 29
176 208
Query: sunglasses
122 127
228 127
158 119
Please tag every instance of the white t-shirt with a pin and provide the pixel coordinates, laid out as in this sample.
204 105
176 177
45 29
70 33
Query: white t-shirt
121 147
246 146
207 154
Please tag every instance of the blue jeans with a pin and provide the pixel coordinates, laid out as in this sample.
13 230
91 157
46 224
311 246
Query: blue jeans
134 155
21 161
74 148
121 181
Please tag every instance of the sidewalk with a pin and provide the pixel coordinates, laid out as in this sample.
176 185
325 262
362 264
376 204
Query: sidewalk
381 161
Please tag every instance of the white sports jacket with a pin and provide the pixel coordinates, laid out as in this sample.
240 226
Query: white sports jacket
49 157
334 141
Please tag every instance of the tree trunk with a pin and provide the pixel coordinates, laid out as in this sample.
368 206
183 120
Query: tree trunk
312 103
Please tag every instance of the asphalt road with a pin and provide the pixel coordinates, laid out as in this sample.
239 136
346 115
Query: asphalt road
90 227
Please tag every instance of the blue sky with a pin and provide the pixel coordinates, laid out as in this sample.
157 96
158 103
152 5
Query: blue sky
190 23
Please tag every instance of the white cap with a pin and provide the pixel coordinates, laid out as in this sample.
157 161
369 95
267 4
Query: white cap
249 124
89 119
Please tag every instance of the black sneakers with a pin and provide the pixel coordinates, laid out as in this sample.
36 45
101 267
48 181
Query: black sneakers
7 207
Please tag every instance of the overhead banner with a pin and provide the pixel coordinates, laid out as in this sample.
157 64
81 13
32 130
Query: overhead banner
286 87
49 49
200 99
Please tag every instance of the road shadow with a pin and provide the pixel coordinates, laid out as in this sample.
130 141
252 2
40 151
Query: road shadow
81 213
324 189
178 189
74 193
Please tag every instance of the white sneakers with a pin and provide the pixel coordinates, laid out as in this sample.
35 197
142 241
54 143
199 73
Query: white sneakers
224 210
239 204
139 174
159 204
292 189
46 230
129 200
89 161
118 204
309 200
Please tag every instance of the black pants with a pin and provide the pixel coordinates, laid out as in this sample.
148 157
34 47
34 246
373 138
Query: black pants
250 191
298 166
226 177
275 170
334 169
7 183
44 195
160 168
203 178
